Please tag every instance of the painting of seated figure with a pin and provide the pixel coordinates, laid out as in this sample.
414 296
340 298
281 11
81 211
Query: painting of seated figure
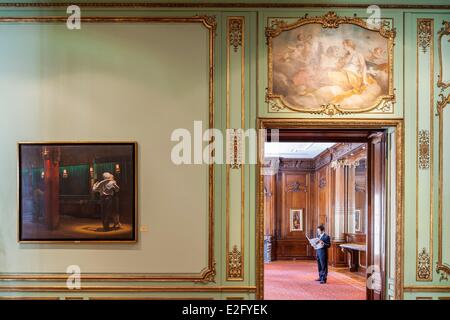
342 68
76 192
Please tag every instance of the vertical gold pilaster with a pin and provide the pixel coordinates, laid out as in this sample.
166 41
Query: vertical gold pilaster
235 44
424 146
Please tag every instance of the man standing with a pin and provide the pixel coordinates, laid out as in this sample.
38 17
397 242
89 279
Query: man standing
322 254
108 189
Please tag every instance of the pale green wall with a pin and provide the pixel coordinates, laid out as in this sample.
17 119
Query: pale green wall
150 79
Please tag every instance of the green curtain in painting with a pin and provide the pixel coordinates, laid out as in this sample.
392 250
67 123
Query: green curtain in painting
100 168
77 181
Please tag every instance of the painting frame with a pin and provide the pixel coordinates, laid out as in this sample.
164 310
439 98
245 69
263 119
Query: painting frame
134 193
292 225
331 21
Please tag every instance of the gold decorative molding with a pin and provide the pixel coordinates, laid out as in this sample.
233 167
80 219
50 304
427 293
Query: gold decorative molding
424 33
234 264
424 265
426 288
443 271
134 289
442 268
233 5
235 38
444 31
424 149
235 32
235 148
330 20
442 102
208 273
302 123
424 143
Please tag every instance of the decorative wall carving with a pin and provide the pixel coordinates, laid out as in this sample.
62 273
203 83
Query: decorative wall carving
322 183
297 187
442 268
234 153
235 30
443 32
424 149
424 34
235 264
298 164
424 265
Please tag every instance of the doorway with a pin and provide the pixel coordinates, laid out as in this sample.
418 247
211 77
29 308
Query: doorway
347 176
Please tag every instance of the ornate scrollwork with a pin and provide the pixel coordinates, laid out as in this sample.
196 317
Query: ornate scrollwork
424 265
424 149
424 34
235 264
443 271
442 102
330 109
235 33
386 106
209 276
322 183
210 21
297 187
444 31
234 145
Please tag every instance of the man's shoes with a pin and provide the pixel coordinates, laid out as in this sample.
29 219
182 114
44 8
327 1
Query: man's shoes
318 279
323 282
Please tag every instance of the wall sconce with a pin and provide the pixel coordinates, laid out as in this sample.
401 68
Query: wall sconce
42 175
65 175
117 168
91 172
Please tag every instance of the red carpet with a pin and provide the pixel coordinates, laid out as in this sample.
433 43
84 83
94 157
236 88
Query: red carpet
294 280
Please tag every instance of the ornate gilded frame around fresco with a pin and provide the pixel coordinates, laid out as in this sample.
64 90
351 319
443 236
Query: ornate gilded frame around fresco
383 103
208 273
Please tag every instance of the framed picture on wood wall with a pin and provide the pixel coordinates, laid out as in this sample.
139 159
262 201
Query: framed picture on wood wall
77 192
296 220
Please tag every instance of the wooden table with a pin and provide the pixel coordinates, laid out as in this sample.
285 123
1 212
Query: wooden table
353 249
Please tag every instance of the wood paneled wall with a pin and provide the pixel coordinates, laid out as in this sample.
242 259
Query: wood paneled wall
295 193
309 185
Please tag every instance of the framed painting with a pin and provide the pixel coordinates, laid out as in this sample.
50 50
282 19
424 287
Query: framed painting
77 192
330 65
296 220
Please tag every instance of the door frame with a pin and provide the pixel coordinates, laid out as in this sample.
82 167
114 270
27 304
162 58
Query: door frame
296 123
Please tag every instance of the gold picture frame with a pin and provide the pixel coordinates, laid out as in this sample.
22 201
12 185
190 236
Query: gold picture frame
296 220
327 102
33 225
208 273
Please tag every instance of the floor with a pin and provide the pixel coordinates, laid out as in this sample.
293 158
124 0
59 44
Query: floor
295 280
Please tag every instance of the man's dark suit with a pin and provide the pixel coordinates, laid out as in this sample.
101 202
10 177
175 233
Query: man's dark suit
322 258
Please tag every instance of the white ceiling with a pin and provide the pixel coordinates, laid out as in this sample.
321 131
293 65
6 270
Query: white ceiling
298 150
